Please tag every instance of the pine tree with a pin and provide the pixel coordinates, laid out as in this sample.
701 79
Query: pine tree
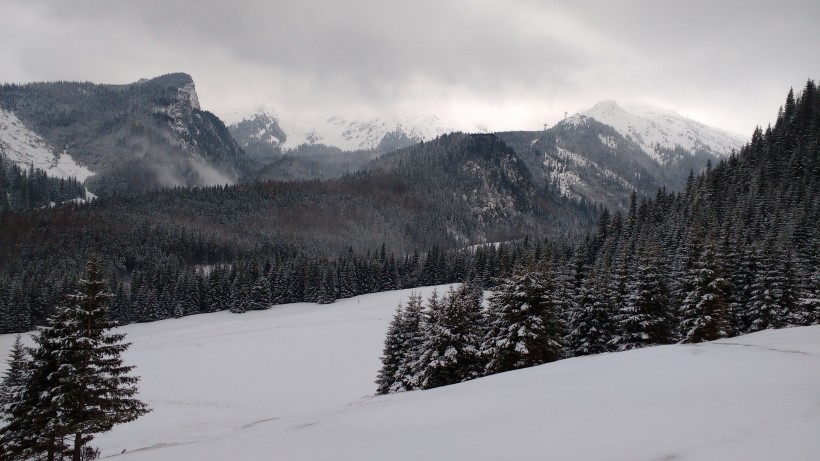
14 378
525 327
591 319
12 397
35 429
644 319
412 338
88 390
392 353
449 353
704 315
766 307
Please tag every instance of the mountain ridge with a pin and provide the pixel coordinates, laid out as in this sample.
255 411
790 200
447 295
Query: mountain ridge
133 137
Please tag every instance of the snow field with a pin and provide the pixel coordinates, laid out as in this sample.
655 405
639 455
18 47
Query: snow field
296 382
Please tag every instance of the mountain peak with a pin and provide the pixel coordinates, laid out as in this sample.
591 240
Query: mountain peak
662 133
176 79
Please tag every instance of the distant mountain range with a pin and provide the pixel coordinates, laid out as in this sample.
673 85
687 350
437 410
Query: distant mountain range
153 133
600 155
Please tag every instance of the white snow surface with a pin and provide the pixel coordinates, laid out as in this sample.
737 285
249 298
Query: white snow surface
25 147
652 128
296 382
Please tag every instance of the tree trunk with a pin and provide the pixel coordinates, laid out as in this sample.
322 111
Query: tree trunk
50 455
78 447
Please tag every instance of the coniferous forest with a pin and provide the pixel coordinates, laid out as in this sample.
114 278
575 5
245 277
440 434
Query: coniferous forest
732 253
735 252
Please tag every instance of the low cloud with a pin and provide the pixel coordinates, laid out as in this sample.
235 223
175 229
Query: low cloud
499 63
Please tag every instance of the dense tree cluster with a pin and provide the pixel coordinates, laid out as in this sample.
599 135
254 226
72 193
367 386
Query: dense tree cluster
454 338
163 246
28 189
736 252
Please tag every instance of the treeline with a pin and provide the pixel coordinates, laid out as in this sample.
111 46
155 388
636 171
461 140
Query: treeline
161 286
27 189
736 252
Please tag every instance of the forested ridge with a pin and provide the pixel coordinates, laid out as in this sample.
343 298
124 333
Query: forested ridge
736 252
190 250
407 220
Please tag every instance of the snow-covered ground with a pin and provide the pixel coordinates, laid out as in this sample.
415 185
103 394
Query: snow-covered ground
296 383
25 147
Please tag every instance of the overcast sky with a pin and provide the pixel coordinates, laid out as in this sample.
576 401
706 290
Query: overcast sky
494 64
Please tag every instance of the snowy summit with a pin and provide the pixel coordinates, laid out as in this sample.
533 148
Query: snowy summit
659 132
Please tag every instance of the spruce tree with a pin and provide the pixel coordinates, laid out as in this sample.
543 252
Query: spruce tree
449 353
411 341
704 313
591 326
84 387
15 377
525 327
644 319
392 353
12 401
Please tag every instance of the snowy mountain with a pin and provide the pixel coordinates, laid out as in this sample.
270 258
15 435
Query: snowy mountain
348 133
296 382
664 135
26 148
603 154
364 133
119 138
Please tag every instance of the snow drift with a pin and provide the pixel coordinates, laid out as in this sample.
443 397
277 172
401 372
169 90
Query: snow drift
296 382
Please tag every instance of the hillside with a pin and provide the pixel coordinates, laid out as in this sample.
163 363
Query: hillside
296 382
119 138
603 154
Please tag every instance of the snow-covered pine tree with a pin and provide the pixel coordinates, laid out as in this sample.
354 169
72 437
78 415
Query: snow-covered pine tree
412 338
525 327
12 399
766 308
15 377
88 389
449 353
704 314
35 429
644 319
591 327
260 295
391 354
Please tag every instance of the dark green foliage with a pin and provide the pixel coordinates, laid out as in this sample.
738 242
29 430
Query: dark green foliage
449 352
76 384
524 325
14 378
591 311
704 312
29 189
645 318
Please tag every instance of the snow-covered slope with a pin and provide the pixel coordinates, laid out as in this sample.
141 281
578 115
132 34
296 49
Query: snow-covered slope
296 382
659 131
25 147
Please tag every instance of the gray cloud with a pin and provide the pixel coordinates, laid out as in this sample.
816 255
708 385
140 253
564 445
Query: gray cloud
497 63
